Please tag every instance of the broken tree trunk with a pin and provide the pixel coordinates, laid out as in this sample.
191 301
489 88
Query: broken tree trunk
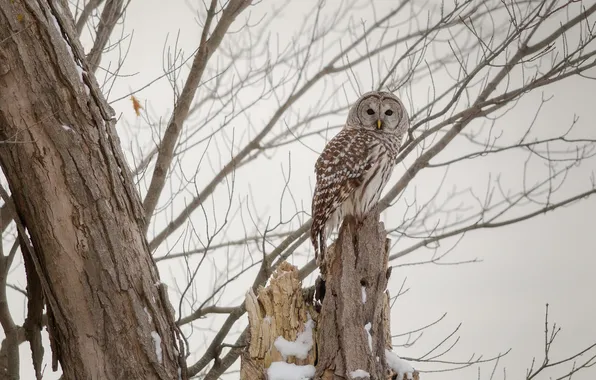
353 328
352 338
280 310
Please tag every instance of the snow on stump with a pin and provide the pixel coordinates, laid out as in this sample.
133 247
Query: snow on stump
280 345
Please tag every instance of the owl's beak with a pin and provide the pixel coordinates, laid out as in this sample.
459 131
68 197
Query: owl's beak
379 124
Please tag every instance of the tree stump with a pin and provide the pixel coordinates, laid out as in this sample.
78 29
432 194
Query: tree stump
351 335
351 329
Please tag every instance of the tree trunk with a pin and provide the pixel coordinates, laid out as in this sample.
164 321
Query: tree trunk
109 317
352 315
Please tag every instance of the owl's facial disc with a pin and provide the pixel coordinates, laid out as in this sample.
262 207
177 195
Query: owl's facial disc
368 112
378 111
390 113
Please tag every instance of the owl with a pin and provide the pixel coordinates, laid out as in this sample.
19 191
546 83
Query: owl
356 164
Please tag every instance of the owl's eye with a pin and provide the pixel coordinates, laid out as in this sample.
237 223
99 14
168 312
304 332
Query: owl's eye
370 111
388 112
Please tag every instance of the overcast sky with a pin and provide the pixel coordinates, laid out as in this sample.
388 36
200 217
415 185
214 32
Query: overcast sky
499 300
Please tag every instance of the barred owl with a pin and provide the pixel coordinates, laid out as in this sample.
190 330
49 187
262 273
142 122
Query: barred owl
357 163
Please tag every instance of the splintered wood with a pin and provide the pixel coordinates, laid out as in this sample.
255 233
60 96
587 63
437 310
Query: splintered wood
276 311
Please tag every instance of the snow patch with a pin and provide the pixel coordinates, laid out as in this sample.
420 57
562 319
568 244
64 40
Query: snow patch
82 74
55 22
300 347
367 328
399 365
267 319
59 29
148 315
66 128
359 373
80 71
287 371
364 294
70 51
157 341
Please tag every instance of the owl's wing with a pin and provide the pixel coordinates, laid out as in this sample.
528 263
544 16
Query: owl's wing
339 170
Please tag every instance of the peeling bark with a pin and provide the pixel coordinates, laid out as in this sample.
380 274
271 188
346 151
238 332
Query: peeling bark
73 193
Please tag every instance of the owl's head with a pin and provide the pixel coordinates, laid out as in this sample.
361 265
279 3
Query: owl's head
381 111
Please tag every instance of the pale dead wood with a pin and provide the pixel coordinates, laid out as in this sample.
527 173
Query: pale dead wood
278 310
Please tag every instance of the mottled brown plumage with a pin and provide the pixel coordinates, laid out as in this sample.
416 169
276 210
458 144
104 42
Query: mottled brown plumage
356 164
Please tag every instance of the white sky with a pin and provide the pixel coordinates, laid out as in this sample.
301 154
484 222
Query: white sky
499 301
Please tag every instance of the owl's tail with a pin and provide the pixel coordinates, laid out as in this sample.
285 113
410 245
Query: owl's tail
314 238
318 239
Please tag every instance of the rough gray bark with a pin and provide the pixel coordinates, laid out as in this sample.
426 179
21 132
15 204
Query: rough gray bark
74 195
357 260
